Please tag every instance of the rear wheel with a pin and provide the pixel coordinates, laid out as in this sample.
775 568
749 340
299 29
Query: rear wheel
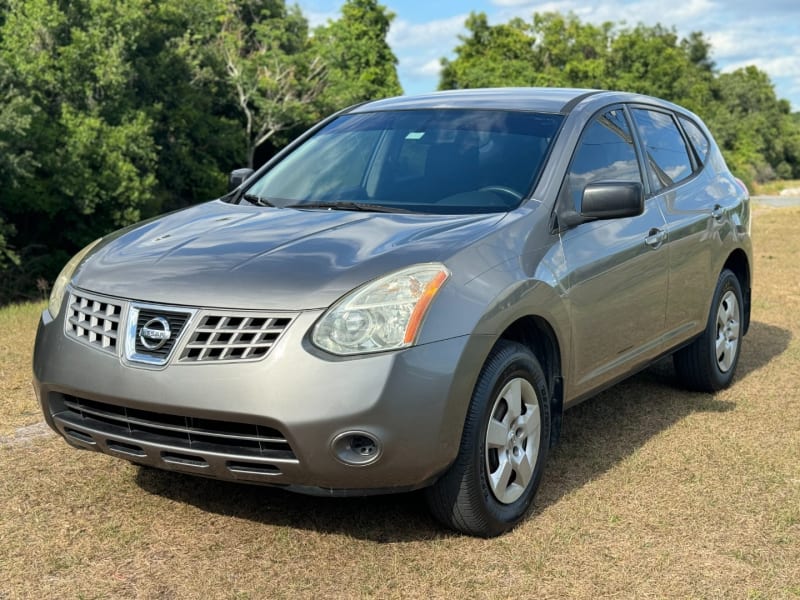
490 486
709 363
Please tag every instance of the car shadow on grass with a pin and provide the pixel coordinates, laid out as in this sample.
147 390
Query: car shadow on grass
596 435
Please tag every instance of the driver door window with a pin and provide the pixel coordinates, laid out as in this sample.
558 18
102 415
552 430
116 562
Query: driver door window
605 153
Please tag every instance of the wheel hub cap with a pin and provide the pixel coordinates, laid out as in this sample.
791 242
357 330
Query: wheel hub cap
512 440
728 326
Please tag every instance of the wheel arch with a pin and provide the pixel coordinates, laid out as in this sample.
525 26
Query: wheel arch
739 264
536 334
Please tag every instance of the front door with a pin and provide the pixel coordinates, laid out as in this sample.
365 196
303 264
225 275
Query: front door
617 268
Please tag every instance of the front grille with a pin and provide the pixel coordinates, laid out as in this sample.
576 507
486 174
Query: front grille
190 433
93 321
176 322
229 338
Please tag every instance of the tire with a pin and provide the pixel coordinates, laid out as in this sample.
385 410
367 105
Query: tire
490 486
709 363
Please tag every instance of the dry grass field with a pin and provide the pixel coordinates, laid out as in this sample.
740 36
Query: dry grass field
654 492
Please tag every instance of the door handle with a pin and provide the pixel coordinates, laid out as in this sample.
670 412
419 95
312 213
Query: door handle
717 212
655 237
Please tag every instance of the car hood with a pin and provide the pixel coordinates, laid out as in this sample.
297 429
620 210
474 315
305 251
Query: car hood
240 256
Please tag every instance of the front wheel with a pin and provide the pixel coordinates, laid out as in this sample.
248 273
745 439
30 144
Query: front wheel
490 486
709 363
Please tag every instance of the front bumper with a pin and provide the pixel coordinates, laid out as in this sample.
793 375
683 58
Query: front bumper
278 419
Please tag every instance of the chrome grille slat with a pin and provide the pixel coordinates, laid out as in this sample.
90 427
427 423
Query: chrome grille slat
245 337
93 321
92 328
224 336
181 431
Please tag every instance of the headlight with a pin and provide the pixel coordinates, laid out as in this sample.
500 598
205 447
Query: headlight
60 285
384 314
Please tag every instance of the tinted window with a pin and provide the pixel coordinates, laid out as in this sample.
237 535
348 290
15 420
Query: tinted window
664 147
337 166
697 138
605 153
438 161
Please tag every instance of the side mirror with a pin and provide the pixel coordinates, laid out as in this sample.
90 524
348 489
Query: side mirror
612 200
237 177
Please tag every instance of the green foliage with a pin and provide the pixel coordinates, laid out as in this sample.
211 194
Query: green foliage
757 130
16 159
274 79
653 61
490 56
568 52
360 64
93 151
111 112
16 114
757 133
554 50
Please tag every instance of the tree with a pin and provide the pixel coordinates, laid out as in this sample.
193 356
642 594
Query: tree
360 64
94 156
273 77
490 56
570 53
106 123
16 160
755 128
194 122
654 61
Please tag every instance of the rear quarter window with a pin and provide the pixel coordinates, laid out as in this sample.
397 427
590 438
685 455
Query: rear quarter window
697 138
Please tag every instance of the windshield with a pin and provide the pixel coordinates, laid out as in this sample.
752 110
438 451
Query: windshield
430 161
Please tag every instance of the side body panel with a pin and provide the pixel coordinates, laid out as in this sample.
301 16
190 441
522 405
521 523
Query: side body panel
693 240
617 297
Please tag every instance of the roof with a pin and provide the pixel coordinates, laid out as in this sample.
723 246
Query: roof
550 100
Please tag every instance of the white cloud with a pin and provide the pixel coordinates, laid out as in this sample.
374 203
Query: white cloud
430 68
746 41
437 33
782 66
505 3
729 43
649 12
317 18
511 8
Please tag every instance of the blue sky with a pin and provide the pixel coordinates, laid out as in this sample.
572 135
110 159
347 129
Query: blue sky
764 33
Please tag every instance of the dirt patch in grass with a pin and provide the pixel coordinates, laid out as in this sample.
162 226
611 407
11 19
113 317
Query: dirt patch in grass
654 492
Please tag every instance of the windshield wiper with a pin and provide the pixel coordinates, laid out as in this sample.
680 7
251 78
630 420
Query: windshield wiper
356 206
257 200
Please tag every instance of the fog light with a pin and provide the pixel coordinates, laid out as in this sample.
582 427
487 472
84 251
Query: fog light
356 448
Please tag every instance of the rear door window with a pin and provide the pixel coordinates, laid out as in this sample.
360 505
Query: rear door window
664 148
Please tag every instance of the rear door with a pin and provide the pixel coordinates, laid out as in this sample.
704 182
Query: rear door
685 193
617 268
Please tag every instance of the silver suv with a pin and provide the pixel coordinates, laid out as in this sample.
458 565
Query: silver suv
408 296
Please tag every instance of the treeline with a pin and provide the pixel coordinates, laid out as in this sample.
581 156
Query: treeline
111 112
757 132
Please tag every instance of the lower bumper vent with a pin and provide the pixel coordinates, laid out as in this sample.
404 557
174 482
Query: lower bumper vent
189 433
